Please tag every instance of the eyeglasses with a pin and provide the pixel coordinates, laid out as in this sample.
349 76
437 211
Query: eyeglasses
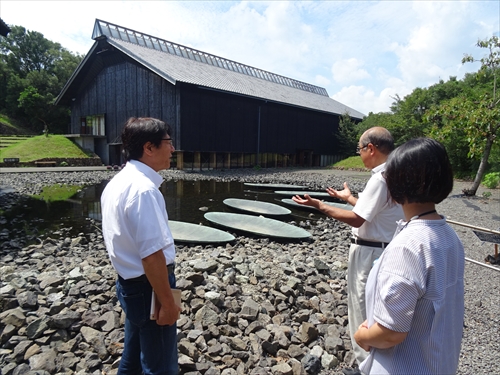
358 149
168 139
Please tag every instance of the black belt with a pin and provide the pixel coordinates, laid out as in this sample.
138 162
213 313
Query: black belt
359 241
143 278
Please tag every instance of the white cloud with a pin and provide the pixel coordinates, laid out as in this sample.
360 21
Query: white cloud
321 81
349 70
362 99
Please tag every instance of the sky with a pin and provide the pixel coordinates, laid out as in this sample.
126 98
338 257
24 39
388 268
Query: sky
363 53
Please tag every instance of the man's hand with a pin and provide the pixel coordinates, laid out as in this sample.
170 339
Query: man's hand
157 273
306 201
344 194
168 315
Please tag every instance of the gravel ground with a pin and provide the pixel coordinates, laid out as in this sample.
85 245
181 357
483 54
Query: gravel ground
480 345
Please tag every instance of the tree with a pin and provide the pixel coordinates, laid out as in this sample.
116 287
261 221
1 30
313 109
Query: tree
478 117
33 71
347 135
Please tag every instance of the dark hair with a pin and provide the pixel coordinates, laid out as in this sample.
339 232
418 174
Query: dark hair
140 130
419 171
379 137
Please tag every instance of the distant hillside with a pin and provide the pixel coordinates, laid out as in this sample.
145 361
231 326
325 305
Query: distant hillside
11 127
41 147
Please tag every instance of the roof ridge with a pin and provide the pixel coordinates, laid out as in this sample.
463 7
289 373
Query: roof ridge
104 29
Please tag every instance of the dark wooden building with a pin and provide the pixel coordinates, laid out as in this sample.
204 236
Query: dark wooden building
223 113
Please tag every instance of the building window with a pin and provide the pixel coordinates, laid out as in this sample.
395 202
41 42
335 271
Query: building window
94 125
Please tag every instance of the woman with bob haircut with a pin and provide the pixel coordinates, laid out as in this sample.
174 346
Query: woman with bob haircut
415 290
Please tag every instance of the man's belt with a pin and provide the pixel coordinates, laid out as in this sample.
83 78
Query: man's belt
143 278
359 241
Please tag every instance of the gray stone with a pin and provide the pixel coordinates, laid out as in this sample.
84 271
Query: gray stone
282 368
311 363
206 266
36 328
206 316
44 361
64 319
13 317
27 300
250 309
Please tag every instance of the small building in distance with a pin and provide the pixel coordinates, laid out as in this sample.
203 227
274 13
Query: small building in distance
223 114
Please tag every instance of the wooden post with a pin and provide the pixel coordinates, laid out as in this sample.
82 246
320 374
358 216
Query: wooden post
213 160
180 160
227 163
274 158
197 160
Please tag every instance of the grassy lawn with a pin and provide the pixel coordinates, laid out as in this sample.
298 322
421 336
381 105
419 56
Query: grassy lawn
39 147
353 162
58 192
9 126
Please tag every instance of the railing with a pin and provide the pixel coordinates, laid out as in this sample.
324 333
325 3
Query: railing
482 230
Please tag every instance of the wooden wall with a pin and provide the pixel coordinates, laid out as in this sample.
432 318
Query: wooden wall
219 122
201 119
124 90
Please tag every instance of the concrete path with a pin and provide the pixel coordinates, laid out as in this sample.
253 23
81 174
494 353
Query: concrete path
50 169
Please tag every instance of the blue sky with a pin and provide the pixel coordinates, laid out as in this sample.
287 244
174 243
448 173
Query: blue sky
362 52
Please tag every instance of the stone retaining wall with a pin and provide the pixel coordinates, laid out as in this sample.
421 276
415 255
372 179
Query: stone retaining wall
74 162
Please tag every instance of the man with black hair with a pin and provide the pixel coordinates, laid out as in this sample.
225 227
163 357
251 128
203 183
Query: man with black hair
141 248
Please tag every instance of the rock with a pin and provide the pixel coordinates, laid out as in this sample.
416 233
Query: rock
311 363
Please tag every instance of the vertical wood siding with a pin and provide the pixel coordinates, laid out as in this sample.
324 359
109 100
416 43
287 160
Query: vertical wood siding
121 91
218 122
202 120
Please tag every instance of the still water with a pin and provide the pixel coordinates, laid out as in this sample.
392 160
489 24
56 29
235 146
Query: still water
183 199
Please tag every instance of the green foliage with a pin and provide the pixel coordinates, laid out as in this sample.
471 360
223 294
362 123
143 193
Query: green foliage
58 192
33 71
491 180
11 126
347 136
464 115
34 148
63 164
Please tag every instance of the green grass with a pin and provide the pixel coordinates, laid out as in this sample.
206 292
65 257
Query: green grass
9 140
39 147
58 192
10 126
353 162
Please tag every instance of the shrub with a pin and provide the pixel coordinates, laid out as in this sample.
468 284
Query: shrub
491 180
63 164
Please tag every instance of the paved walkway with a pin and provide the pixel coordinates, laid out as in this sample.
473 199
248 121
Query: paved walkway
49 169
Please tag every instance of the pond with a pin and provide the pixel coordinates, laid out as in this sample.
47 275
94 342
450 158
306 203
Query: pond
186 201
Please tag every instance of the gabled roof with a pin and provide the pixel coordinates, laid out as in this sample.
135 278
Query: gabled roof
177 63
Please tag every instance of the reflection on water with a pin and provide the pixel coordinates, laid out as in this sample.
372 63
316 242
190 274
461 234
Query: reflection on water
183 199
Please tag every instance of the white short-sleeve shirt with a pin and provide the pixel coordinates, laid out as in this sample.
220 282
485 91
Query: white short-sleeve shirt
376 206
135 219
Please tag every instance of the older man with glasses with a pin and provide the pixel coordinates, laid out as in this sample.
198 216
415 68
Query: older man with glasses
373 219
